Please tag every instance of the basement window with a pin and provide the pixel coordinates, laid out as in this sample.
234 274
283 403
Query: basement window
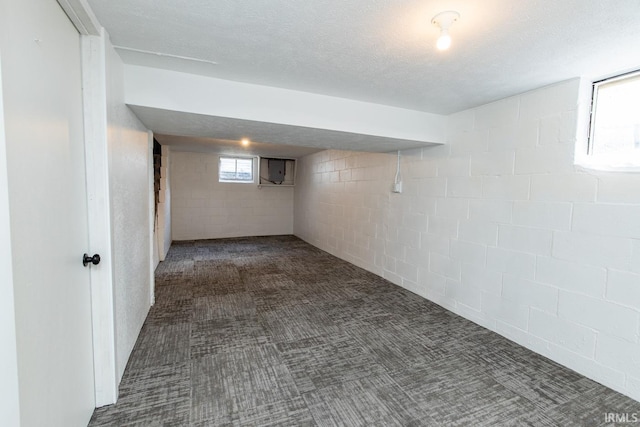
614 134
235 169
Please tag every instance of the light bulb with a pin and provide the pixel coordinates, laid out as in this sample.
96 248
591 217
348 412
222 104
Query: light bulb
444 20
244 141
444 41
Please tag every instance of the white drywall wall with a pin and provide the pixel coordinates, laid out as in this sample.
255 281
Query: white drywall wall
499 227
130 227
9 403
203 208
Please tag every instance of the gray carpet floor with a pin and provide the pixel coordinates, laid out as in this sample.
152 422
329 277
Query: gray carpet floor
272 331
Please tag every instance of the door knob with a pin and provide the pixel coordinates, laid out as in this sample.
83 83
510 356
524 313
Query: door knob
86 259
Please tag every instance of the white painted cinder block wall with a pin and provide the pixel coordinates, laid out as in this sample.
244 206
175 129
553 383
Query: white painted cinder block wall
499 227
203 208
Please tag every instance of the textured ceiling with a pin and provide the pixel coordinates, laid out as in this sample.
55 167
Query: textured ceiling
381 51
232 147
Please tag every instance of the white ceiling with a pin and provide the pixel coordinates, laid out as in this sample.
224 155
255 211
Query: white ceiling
189 132
381 51
231 147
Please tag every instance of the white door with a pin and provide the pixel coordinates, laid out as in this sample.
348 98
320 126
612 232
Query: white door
42 91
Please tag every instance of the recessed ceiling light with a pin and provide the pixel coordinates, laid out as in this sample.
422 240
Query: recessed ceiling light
444 20
245 141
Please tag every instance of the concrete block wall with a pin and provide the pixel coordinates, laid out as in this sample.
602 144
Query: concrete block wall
500 227
203 208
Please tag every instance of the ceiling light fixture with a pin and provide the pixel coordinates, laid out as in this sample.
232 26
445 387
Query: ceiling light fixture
444 20
244 142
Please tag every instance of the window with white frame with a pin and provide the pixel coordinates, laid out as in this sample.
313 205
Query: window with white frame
235 169
614 135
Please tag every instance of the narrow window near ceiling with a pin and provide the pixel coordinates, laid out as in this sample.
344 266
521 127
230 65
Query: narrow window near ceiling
235 169
614 136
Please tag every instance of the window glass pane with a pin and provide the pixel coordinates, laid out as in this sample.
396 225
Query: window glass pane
245 169
616 120
227 168
235 170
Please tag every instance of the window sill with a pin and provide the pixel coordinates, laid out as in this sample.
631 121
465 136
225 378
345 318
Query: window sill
275 185
630 164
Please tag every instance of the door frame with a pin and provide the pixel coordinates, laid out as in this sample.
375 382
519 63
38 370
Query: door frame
99 217
93 51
